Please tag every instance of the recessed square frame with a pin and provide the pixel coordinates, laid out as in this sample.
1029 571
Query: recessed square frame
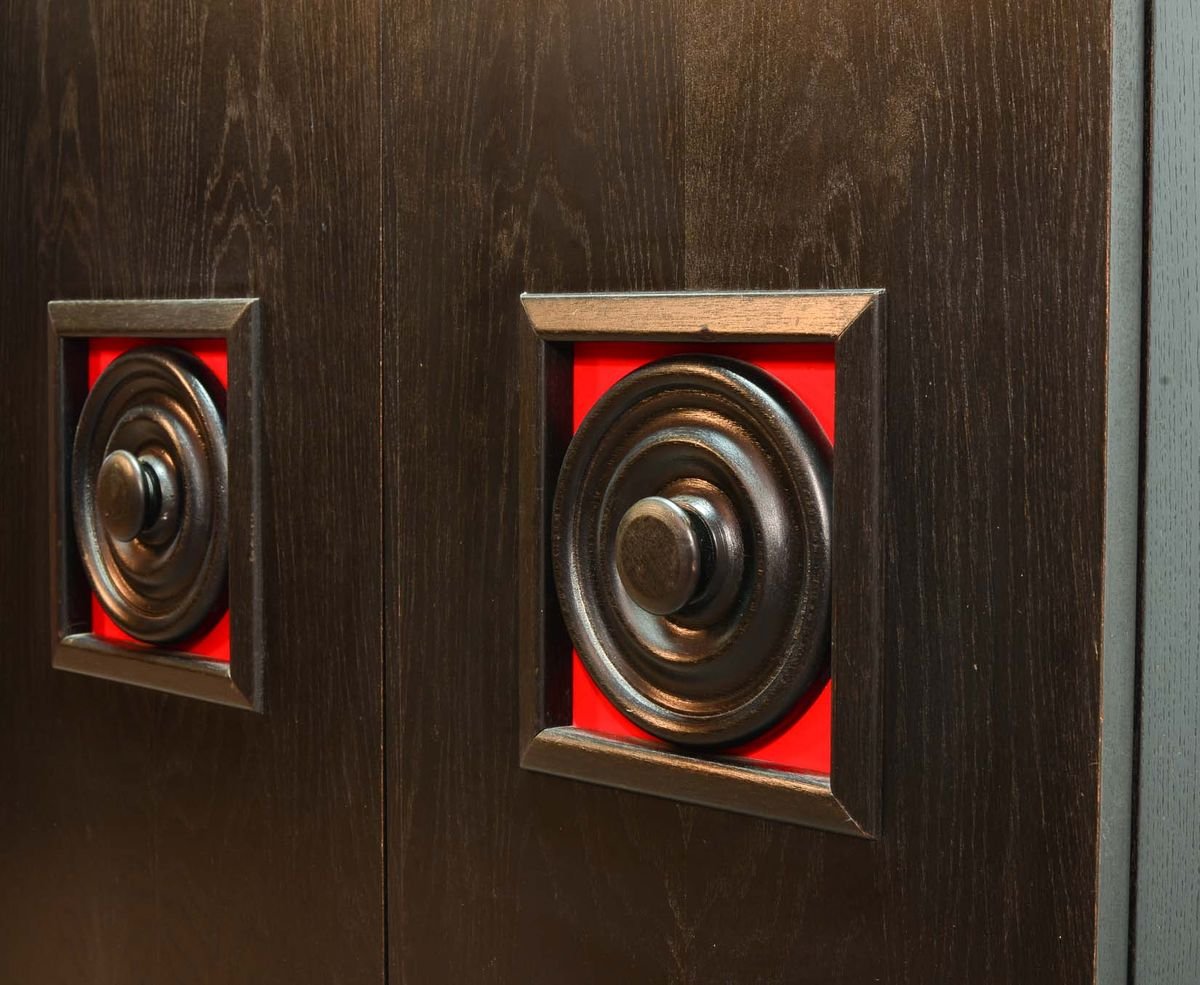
848 800
237 321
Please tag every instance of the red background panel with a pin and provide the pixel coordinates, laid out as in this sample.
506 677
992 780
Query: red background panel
214 644
802 740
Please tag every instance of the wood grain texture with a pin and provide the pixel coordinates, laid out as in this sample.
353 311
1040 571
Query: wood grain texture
955 154
1166 948
188 150
529 146
665 316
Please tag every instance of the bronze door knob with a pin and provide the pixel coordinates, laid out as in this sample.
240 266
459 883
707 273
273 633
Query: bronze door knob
691 543
136 496
660 554
150 493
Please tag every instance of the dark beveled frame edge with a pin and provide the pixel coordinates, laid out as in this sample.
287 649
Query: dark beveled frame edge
238 321
846 801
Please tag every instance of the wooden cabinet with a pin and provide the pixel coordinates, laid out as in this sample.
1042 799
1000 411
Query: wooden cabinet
388 177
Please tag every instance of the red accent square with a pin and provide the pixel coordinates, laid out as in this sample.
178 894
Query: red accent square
803 739
213 644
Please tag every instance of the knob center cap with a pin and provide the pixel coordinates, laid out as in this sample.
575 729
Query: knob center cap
125 496
660 554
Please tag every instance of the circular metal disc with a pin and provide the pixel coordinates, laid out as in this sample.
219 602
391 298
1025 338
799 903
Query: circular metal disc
725 439
161 406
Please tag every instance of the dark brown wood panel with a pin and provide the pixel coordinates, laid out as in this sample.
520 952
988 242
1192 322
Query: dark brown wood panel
955 154
188 150
527 146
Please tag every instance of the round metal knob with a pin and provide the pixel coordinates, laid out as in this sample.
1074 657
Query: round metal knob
660 554
127 495
691 548
150 493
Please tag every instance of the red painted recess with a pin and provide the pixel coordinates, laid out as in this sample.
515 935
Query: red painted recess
214 644
802 741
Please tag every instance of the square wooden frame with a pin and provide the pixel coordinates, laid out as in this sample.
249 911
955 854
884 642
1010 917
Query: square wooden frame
237 321
848 800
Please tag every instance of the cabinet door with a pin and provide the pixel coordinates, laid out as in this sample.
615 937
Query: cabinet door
956 155
186 151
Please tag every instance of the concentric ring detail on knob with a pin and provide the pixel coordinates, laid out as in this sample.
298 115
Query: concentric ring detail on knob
150 493
715 639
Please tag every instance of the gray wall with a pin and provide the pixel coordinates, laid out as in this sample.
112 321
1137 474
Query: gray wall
1122 480
1167 922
